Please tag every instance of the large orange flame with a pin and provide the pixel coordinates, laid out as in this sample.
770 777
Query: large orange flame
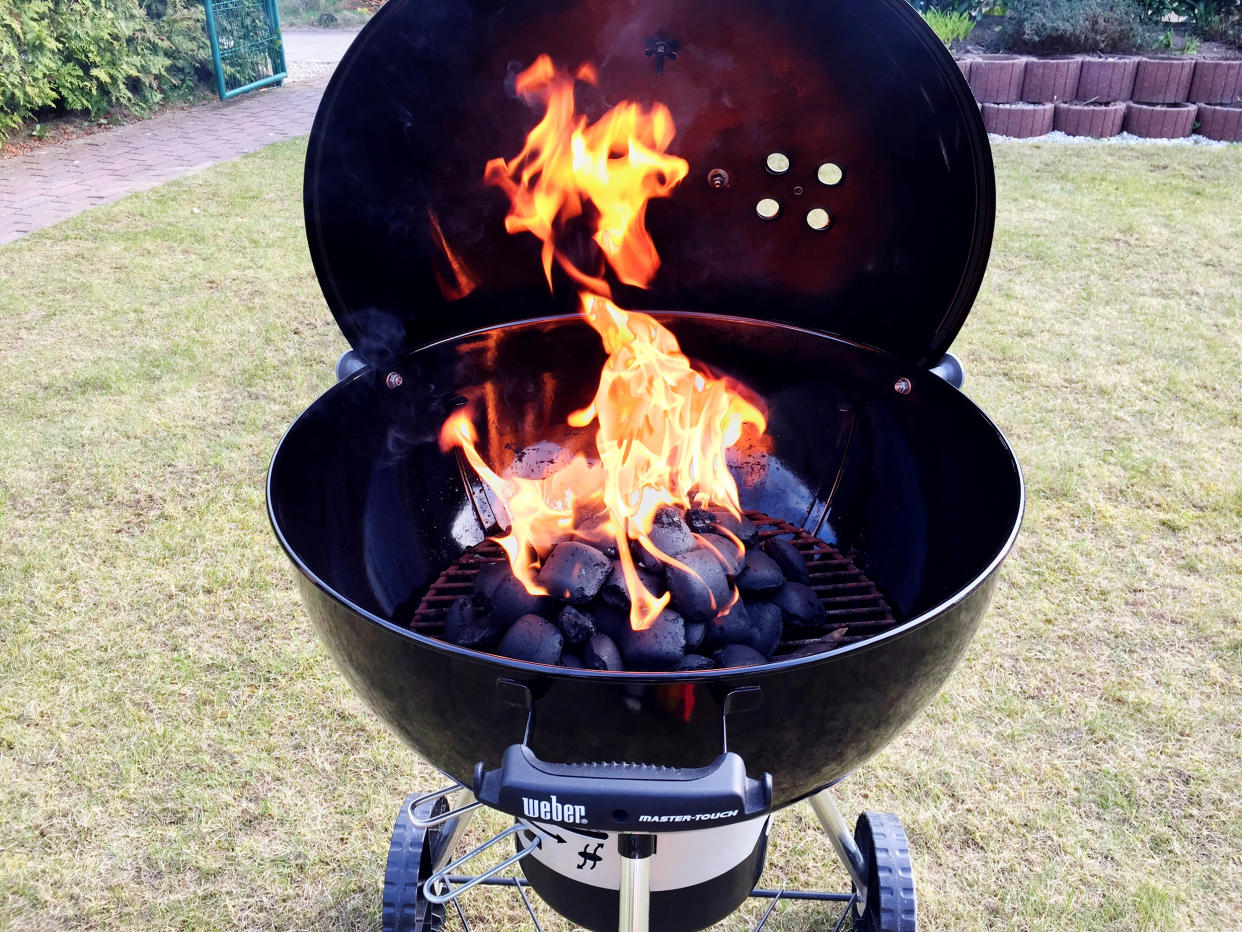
663 426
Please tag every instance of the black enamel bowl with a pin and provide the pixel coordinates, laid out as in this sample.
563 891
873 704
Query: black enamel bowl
920 489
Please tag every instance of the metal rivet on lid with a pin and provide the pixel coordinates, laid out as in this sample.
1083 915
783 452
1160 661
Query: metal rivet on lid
818 219
777 163
718 178
830 173
768 208
902 386
394 380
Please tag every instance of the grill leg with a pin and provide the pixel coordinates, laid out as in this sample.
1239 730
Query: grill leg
452 833
636 851
842 839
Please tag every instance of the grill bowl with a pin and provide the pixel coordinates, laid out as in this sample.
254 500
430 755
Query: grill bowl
920 489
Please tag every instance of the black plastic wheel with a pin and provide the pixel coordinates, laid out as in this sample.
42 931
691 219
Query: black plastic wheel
410 858
890 905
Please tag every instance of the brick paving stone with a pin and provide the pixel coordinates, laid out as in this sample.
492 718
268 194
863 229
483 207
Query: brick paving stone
57 182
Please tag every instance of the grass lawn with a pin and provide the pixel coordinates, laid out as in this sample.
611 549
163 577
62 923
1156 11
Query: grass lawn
176 751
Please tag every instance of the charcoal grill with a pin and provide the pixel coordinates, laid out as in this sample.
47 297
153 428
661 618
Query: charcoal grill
837 308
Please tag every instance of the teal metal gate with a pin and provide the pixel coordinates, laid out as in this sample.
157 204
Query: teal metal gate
246 46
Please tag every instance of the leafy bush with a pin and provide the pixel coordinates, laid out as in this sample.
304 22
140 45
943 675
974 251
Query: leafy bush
949 26
1076 26
97 55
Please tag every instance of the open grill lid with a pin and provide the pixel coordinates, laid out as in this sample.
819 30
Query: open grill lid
409 243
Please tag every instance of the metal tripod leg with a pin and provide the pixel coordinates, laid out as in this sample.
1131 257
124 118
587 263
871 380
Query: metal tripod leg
842 839
635 905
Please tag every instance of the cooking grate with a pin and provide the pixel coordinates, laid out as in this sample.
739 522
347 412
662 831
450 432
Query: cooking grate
856 609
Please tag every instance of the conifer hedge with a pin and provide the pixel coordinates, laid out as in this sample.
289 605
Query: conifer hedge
95 56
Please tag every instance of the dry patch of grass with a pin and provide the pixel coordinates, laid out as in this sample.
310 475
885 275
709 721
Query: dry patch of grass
177 752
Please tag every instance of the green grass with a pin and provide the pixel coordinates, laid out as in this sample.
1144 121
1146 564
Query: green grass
176 751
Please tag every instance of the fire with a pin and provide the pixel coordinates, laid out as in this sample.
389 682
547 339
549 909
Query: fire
663 427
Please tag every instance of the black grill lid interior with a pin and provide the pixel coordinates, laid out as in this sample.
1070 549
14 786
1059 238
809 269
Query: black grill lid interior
423 99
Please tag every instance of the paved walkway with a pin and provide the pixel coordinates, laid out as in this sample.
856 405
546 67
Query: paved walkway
56 182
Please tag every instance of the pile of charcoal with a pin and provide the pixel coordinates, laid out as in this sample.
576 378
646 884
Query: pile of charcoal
584 622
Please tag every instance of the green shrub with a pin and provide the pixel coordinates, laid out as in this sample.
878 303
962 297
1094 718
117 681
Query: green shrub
97 55
949 26
1076 26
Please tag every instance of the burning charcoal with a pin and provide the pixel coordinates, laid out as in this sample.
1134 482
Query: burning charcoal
539 460
730 553
491 576
766 625
657 647
617 593
733 627
532 638
761 574
600 653
669 532
695 631
510 601
788 558
700 589
591 530
742 528
738 655
701 521
573 661
694 662
467 626
574 572
577 626
800 607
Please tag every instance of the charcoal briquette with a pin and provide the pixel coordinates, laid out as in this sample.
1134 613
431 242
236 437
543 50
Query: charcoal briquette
731 627
699 587
742 528
766 625
694 662
600 653
534 639
510 601
573 661
761 575
738 655
574 572
467 626
669 532
701 521
658 646
800 608
731 554
609 619
489 577
617 593
590 530
577 626
695 631
788 558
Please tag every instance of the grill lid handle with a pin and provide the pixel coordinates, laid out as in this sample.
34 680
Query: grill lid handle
621 797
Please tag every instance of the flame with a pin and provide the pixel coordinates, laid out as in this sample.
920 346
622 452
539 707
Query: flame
663 426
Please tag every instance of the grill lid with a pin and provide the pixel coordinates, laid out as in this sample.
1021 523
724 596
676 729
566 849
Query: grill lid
409 243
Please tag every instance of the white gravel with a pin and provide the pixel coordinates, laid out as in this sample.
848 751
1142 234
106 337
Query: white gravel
1121 139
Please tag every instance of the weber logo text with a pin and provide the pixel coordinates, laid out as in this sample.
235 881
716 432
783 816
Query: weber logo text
553 810
696 817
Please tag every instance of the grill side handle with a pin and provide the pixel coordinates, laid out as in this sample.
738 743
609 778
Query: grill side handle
950 369
623 797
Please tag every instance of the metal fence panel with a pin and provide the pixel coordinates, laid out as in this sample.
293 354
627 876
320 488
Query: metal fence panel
246 45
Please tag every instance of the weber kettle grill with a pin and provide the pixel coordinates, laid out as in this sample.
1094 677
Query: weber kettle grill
824 251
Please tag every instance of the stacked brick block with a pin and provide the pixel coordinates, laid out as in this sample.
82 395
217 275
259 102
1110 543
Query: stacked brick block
1153 97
